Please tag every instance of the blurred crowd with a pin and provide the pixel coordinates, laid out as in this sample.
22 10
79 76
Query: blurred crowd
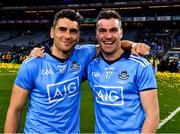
162 65
12 57
157 60
159 41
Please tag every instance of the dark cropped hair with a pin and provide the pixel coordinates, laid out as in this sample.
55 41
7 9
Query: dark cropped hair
108 14
67 13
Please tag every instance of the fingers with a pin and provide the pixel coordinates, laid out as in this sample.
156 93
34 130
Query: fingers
148 50
42 49
141 49
135 51
37 52
145 49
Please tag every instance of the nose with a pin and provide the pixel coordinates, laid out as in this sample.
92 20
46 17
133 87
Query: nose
108 35
67 34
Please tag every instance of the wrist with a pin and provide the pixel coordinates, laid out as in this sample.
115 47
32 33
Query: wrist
134 44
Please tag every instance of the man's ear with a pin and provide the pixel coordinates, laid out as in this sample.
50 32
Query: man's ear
52 32
78 37
121 33
96 34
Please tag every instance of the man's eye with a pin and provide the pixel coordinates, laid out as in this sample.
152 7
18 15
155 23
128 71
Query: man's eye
62 29
102 31
73 31
114 30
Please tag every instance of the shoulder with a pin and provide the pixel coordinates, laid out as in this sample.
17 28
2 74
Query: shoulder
86 52
94 61
139 60
85 47
31 62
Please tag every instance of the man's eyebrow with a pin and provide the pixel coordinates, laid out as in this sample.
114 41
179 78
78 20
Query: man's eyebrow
101 29
74 30
64 28
71 29
114 28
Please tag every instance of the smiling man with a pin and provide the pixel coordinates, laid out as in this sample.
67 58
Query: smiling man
123 85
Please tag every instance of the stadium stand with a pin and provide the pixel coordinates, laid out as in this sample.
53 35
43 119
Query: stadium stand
155 22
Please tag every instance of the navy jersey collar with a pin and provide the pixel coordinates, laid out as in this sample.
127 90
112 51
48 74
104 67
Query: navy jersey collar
123 55
48 50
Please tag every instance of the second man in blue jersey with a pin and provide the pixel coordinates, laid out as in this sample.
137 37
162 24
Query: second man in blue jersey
123 85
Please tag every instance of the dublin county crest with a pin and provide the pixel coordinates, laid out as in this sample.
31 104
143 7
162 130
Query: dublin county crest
123 75
75 65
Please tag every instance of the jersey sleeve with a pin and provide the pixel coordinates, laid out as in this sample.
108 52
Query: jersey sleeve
92 51
26 76
85 74
88 51
146 78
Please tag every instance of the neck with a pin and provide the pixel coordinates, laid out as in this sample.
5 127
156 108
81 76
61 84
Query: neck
60 54
114 55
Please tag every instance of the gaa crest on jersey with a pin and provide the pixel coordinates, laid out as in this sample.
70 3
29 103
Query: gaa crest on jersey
75 65
124 75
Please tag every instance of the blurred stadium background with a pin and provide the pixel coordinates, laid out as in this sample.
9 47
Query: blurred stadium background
25 24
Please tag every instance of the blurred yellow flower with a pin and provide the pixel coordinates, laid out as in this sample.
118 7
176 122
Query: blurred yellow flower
9 67
170 79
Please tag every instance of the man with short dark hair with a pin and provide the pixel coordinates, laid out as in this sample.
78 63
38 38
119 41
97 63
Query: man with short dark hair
52 83
123 85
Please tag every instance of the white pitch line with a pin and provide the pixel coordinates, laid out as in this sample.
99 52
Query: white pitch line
169 117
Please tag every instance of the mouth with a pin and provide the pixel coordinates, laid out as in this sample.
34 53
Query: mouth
108 42
67 43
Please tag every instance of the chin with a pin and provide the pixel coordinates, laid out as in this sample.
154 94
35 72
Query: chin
108 52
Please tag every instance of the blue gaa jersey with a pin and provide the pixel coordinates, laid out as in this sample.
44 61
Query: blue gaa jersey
54 87
116 87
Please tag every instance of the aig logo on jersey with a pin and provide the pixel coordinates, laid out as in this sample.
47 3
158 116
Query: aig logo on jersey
65 89
124 75
75 65
109 95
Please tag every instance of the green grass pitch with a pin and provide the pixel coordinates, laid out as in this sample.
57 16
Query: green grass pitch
169 100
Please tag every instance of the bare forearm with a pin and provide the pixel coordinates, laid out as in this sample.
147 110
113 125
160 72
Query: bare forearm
151 123
126 44
12 122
